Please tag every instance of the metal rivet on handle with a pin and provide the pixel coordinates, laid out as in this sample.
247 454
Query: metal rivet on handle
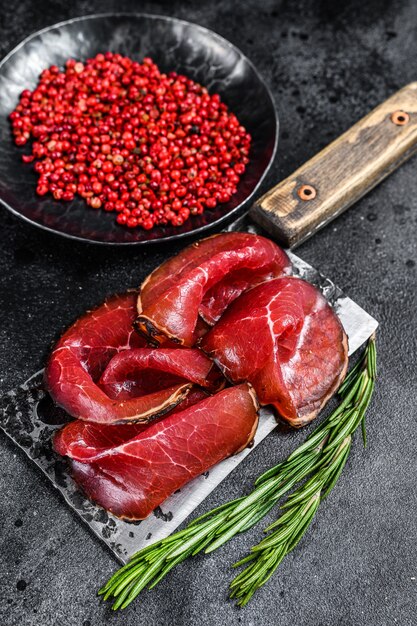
306 192
400 118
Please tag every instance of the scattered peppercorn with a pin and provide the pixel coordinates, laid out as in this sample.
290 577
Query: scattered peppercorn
155 148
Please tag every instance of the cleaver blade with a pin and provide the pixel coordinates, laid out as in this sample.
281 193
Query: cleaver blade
29 418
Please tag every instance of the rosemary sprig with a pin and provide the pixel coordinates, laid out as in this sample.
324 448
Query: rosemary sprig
302 505
322 458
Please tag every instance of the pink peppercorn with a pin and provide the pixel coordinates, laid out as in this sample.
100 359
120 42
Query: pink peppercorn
154 148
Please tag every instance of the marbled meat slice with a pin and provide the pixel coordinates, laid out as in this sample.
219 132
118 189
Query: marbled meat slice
134 476
142 371
78 360
188 293
285 339
82 441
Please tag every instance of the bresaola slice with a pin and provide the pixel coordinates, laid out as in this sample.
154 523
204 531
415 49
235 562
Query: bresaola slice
132 477
82 354
83 441
284 338
189 293
142 371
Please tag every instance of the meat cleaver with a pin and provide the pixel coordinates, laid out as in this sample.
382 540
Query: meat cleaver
291 212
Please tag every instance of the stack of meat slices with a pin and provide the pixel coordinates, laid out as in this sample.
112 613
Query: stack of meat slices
166 383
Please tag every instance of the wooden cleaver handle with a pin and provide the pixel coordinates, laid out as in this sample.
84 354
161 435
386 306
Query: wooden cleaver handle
341 173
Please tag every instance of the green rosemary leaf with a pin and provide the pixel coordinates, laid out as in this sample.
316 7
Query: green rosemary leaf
351 375
230 532
261 511
280 536
338 470
218 509
172 563
339 435
305 523
246 559
195 538
145 578
257 494
283 518
363 426
315 439
271 473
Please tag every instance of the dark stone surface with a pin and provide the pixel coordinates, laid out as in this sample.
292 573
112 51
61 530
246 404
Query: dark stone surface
327 67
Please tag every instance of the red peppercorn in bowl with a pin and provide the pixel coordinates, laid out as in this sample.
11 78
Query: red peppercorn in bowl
155 148
154 140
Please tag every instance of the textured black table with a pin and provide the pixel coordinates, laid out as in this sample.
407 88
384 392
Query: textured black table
358 564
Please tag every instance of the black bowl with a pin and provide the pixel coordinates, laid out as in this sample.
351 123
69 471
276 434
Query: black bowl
173 44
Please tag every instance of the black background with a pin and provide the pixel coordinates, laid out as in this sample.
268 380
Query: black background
327 67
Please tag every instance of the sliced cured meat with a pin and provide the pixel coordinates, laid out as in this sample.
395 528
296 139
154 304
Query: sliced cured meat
142 371
132 477
188 293
80 357
82 441
284 338
99 334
